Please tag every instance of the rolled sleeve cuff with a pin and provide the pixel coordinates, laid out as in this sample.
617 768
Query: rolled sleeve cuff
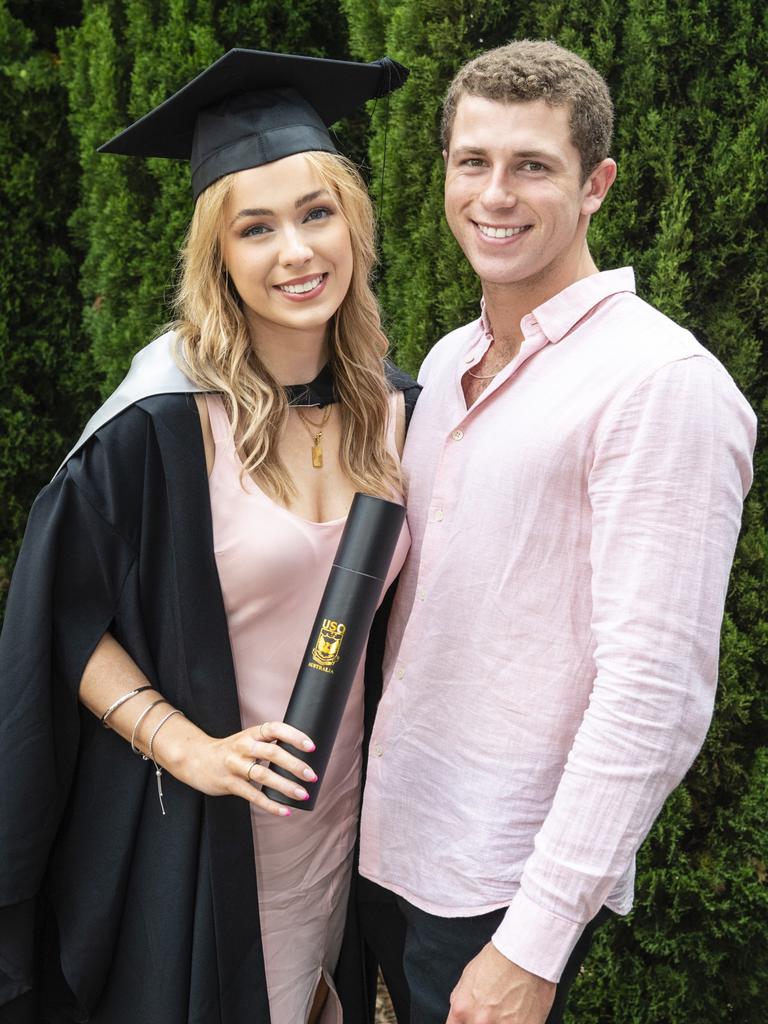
535 939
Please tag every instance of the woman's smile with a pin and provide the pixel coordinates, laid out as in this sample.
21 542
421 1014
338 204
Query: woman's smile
302 289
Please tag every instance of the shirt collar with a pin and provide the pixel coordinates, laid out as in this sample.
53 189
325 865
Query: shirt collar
559 315
485 327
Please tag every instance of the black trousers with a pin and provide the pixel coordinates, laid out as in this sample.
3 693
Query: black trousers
437 949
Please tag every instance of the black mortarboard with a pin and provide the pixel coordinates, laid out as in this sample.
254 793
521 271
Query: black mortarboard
251 107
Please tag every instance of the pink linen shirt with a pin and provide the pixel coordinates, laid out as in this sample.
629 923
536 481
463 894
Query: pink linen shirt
552 656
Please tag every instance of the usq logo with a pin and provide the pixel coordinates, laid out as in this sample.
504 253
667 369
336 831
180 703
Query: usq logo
328 643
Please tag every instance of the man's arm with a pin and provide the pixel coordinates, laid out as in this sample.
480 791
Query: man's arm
670 472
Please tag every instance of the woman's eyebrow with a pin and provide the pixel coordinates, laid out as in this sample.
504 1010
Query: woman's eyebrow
310 197
262 212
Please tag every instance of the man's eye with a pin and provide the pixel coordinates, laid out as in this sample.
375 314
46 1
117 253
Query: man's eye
473 161
533 165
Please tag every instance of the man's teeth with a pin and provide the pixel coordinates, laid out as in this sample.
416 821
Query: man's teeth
299 289
490 232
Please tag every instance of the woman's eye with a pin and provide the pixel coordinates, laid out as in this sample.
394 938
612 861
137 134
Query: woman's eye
254 230
319 213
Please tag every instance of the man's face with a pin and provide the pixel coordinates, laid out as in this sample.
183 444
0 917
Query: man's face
513 193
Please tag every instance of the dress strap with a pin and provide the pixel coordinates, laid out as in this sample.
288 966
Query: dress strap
394 399
220 428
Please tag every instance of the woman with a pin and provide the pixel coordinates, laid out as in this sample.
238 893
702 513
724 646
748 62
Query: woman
167 583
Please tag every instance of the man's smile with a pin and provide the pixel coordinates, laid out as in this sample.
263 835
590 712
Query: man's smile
489 231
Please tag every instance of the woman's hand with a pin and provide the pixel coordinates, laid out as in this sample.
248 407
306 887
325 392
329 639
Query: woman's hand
237 764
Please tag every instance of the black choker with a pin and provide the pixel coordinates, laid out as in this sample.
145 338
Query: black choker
321 391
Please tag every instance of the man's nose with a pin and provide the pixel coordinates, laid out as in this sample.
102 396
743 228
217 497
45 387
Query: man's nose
498 191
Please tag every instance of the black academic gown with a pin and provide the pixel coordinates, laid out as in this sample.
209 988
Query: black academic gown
150 919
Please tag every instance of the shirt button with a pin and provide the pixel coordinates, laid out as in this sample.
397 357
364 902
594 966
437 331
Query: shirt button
377 750
469 359
437 515
421 594
457 435
399 672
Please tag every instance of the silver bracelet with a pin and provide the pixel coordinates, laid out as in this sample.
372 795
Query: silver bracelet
119 703
140 719
151 755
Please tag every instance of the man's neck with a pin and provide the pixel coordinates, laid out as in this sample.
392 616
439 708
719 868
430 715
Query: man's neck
507 304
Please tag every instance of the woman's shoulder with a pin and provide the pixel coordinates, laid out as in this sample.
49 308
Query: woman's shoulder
403 382
111 467
123 437
399 379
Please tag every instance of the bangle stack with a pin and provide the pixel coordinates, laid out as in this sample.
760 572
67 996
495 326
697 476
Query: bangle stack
119 702
151 756
140 719
104 720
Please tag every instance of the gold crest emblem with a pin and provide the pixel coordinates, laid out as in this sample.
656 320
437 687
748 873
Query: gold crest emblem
328 643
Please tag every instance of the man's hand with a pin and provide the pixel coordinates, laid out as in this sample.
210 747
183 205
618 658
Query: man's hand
493 990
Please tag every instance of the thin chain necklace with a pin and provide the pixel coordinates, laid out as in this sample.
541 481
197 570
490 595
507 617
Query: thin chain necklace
315 431
484 376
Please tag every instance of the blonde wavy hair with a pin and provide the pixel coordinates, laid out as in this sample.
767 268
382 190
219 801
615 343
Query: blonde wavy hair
219 355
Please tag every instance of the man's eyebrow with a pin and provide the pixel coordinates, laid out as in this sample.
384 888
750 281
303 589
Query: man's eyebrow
474 150
524 154
538 154
263 212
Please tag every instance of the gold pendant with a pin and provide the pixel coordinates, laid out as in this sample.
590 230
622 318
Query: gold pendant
317 452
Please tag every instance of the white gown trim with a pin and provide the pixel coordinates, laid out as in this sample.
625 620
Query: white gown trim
153 371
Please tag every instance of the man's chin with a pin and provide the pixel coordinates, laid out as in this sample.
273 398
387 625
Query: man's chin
499 278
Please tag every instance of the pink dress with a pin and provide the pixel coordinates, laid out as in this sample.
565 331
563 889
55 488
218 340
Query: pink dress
273 567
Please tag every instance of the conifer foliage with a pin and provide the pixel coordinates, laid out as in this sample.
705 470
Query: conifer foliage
44 369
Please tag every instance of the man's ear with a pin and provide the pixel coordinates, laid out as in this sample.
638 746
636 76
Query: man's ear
445 156
597 184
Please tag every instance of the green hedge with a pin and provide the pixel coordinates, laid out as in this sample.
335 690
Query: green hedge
45 372
88 267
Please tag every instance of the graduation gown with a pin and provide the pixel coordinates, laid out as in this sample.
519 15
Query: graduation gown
110 912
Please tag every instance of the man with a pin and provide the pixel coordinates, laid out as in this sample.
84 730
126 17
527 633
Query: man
577 465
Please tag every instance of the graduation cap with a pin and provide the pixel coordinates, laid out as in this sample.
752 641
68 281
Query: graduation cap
251 107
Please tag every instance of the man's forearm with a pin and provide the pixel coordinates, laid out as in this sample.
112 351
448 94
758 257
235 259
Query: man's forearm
666 493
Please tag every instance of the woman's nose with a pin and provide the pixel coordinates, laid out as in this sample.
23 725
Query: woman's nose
294 251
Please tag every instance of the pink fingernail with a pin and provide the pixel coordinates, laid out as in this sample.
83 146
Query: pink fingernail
309 775
285 811
308 745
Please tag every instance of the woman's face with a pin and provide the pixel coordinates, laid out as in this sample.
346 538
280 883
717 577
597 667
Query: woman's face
286 246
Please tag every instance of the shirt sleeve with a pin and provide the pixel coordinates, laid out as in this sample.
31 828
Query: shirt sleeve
669 476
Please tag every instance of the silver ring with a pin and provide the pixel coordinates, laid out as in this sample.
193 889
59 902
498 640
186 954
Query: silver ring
250 769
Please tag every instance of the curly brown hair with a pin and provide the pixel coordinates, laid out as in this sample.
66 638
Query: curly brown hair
534 69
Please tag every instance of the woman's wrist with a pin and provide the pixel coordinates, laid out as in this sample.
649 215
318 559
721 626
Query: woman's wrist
178 744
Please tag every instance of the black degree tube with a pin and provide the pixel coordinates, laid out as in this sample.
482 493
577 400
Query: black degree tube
340 634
